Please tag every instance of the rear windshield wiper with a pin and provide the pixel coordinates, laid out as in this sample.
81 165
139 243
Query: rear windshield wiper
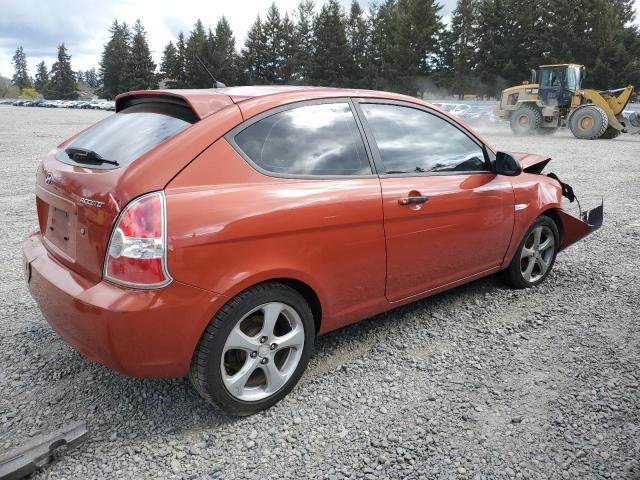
83 155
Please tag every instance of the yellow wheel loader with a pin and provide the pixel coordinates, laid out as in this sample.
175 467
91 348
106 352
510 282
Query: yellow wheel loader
558 100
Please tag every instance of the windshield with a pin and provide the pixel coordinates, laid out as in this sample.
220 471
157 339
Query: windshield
552 77
122 137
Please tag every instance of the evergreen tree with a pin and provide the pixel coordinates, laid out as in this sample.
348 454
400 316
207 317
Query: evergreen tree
599 34
495 67
332 57
197 50
80 76
113 63
417 27
140 68
462 43
274 46
381 35
512 38
91 77
21 76
253 54
224 54
358 37
303 42
62 82
181 46
170 67
288 51
42 79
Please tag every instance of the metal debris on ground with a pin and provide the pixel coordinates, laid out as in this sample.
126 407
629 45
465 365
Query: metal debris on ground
38 451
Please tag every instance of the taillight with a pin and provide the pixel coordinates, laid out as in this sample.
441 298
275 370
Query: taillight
137 251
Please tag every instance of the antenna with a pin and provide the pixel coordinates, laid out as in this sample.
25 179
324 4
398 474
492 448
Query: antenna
216 84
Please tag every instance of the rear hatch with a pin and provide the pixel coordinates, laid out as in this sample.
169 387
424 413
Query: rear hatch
84 183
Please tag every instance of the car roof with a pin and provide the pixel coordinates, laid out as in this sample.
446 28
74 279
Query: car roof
207 101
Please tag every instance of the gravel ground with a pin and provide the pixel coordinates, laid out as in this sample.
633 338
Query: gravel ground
481 382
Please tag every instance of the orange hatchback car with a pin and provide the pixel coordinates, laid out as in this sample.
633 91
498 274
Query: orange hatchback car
216 232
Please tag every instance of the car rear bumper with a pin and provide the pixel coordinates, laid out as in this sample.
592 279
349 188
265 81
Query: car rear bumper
141 333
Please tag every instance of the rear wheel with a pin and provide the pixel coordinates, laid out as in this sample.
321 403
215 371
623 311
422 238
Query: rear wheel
255 349
610 133
588 123
535 256
526 120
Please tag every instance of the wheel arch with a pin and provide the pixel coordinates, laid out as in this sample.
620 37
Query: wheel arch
308 293
553 214
304 288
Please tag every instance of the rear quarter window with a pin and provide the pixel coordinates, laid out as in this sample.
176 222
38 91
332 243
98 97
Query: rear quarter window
321 139
129 134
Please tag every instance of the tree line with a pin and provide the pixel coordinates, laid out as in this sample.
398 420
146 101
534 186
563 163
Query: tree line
60 82
399 45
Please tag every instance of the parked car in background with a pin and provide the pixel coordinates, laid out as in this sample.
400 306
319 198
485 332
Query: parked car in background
107 105
476 114
215 233
453 108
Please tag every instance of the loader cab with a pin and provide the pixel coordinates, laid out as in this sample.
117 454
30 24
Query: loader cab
558 83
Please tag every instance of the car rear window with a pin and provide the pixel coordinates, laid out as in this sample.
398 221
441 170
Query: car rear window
321 139
127 135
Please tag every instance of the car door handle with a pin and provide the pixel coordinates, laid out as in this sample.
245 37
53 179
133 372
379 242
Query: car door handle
412 200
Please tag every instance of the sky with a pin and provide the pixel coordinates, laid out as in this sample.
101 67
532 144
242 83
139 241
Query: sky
41 25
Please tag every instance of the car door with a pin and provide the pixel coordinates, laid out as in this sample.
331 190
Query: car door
447 217
290 193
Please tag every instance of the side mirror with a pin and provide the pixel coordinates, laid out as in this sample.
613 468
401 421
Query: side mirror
507 164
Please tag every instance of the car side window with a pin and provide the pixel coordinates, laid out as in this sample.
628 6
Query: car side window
320 139
414 141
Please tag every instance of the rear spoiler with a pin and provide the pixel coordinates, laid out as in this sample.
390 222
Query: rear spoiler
201 102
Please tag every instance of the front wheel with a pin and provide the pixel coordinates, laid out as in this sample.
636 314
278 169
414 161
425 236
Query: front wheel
535 256
255 349
588 122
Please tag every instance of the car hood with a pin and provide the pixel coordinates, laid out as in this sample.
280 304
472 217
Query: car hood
531 162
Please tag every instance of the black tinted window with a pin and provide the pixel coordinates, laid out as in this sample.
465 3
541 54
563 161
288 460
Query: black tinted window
127 135
414 141
310 140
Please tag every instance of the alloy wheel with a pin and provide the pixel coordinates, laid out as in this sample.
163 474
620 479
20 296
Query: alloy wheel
537 254
262 351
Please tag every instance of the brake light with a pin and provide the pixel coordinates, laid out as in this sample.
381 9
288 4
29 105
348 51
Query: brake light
136 255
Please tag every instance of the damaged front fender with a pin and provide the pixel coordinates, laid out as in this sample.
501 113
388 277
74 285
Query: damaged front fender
537 194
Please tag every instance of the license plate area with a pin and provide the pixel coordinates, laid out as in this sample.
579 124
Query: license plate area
58 226
59 230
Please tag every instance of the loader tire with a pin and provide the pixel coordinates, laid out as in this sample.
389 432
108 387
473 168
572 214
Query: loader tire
526 120
589 122
610 133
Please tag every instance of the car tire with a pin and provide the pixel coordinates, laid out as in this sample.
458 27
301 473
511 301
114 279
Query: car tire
526 120
259 371
588 122
533 261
